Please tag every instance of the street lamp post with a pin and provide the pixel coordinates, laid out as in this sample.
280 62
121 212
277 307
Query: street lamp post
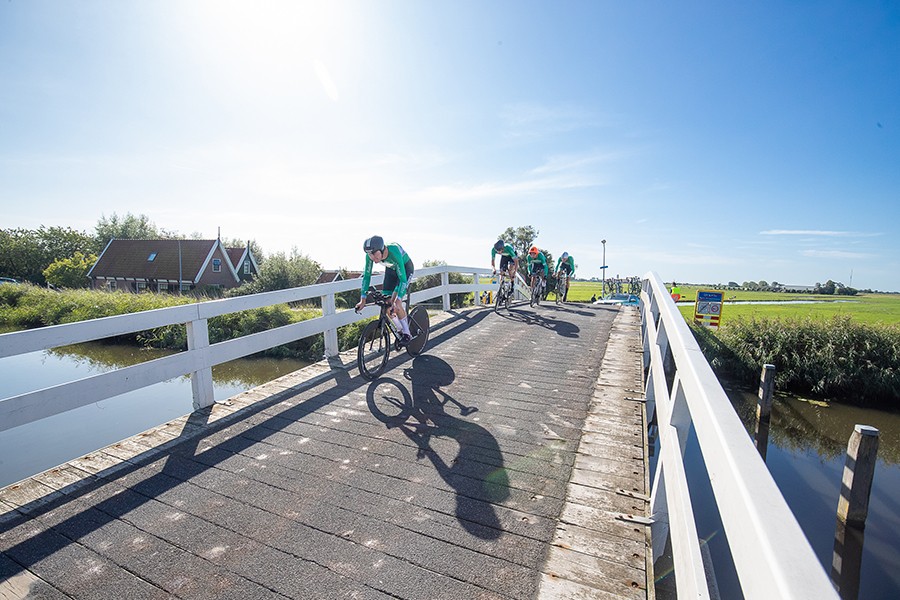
603 289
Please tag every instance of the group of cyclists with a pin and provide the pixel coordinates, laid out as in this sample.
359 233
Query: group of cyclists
536 265
398 270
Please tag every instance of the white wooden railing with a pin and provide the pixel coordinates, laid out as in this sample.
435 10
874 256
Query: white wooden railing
200 356
771 555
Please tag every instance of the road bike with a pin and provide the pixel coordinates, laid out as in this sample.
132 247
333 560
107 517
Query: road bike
504 292
562 282
537 289
378 336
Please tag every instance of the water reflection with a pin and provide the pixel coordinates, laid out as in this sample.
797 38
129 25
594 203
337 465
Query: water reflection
804 425
807 453
244 372
41 445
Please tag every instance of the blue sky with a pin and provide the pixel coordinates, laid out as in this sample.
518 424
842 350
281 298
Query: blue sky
706 141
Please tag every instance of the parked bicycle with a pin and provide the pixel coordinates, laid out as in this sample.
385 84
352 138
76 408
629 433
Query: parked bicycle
504 292
378 336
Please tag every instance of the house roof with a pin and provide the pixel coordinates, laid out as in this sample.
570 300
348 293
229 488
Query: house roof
332 276
329 277
235 255
131 258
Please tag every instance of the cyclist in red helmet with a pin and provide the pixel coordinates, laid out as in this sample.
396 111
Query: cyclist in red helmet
398 270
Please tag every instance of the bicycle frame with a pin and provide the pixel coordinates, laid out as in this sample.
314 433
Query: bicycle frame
386 305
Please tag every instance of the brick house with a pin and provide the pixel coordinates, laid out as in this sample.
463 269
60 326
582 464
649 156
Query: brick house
244 262
167 265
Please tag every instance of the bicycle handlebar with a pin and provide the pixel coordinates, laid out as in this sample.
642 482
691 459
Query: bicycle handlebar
374 296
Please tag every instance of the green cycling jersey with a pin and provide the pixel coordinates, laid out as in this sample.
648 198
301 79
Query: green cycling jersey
569 261
396 259
508 250
541 259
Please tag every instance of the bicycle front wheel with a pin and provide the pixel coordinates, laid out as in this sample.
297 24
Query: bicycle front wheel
373 351
499 298
418 329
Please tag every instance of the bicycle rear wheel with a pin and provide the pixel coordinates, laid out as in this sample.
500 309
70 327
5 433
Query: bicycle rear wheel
418 329
373 351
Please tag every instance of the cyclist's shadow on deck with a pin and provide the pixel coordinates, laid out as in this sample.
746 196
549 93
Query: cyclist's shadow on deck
476 473
545 317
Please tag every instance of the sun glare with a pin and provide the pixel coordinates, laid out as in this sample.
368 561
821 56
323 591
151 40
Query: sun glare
276 46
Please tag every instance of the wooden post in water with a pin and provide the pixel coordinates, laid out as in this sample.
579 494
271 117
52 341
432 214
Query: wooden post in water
852 511
764 409
859 471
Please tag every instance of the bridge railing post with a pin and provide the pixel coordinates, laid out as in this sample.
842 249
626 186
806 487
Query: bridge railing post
201 381
331 338
445 283
477 283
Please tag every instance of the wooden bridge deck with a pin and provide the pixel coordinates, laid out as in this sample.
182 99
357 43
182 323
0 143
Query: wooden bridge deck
502 463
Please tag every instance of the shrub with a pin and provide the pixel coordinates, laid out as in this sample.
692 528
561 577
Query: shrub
836 358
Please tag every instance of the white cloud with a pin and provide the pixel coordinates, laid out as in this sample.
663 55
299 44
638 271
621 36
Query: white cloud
818 232
835 254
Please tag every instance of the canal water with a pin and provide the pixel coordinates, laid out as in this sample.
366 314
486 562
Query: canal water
36 447
806 455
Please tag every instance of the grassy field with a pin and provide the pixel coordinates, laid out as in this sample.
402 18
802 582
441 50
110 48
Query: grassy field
863 308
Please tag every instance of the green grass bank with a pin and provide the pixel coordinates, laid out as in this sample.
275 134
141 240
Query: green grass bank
844 348
28 306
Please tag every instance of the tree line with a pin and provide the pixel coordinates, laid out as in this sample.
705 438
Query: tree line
828 288
62 256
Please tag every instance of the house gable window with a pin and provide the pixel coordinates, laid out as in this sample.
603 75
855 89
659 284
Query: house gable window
217 265
246 267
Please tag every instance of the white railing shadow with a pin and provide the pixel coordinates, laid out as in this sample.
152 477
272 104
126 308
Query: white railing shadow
200 356
770 552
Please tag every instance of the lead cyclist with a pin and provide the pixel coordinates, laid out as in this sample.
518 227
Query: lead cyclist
398 270
508 261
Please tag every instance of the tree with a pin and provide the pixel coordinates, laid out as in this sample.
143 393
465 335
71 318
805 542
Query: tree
521 238
25 253
129 227
828 288
281 272
423 283
70 272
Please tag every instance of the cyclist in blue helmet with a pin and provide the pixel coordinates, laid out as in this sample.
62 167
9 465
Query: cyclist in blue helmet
566 263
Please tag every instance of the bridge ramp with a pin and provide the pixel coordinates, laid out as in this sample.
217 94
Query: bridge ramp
487 467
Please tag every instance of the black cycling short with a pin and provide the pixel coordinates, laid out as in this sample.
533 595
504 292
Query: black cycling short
504 262
566 267
537 268
391 280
